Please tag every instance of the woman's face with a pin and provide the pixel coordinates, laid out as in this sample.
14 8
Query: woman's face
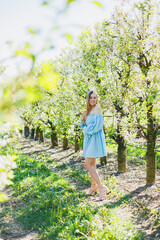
93 99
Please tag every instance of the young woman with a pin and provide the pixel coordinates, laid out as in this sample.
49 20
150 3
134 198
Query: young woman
94 145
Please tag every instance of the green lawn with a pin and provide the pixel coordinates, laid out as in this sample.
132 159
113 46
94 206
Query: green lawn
48 202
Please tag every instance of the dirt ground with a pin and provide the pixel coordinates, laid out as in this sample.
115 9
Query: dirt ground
142 200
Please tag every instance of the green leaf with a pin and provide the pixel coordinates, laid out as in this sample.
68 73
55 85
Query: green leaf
69 38
23 52
27 45
3 197
154 96
70 1
49 79
55 28
45 3
31 30
97 3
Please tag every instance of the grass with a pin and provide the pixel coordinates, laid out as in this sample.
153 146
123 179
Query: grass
137 155
47 202
158 160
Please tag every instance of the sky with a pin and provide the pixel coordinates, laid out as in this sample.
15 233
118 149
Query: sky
19 15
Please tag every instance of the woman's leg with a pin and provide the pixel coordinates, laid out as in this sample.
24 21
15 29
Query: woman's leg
93 181
90 165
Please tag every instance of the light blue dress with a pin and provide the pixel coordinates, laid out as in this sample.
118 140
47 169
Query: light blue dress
94 144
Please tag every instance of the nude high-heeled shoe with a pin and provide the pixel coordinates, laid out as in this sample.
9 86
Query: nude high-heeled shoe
103 190
92 190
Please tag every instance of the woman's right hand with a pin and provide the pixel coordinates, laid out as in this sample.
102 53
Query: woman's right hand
84 117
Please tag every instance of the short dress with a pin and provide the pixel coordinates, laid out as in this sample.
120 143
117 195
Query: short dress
94 144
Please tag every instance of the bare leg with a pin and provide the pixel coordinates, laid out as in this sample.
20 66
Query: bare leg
94 186
90 165
93 182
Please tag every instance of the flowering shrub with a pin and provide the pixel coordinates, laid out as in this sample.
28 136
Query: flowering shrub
7 133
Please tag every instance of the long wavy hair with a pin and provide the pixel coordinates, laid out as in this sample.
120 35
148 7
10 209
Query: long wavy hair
88 106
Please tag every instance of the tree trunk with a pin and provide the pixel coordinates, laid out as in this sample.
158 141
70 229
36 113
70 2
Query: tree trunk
26 131
151 125
151 141
41 137
103 160
65 143
121 150
54 139
76 144
121 155
37 134
32 133
104 130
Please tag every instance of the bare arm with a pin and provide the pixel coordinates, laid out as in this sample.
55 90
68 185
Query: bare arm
84 117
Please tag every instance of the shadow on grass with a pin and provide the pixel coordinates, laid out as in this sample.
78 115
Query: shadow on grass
66 156
48 202
154 235
28 167
127 197
46 151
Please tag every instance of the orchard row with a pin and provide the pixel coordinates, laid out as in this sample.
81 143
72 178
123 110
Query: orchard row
120 59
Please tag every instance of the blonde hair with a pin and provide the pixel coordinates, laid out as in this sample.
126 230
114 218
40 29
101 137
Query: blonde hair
88 106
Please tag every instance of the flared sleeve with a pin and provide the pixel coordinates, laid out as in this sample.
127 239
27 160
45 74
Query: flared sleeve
94 126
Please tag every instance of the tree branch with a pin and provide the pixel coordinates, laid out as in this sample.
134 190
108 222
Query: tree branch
141 129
